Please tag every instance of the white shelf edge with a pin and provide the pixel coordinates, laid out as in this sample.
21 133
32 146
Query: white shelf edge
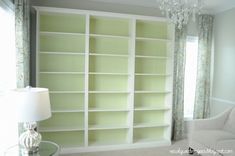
157 92
60 129
97 73
109 92
67 111
149 74
108 55
65 92
97 127
152 109
79 73
109 36
152 57
60 33
150 125
152 39
107 110
61 53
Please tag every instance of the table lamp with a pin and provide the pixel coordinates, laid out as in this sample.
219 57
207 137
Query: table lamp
32 104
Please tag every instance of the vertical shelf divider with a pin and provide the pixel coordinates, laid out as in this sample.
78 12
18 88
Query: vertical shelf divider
86 79
132 77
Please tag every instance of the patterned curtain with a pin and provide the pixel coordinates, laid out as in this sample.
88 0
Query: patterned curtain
178 85
22 13
22 41
202 97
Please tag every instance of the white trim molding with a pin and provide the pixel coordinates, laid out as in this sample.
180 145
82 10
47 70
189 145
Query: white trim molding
222 100
219 105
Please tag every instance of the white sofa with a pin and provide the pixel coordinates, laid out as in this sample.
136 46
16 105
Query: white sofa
213 136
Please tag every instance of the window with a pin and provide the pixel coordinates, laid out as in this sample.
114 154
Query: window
190 76
8 133
7 50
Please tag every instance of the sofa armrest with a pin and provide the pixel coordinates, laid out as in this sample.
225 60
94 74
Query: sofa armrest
216 122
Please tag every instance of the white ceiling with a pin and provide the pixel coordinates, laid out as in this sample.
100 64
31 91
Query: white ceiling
211 6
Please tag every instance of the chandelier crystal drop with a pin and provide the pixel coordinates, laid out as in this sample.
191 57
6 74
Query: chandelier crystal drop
180 11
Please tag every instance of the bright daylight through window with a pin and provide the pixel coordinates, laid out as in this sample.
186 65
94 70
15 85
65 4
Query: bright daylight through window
7 51
8 133
190 76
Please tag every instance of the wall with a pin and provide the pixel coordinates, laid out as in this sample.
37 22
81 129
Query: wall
223 92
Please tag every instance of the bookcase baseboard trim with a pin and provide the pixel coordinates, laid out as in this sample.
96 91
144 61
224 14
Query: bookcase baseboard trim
115 147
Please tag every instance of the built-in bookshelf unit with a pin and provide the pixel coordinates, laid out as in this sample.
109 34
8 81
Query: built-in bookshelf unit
109 77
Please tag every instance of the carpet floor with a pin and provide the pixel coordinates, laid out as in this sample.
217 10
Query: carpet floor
179 148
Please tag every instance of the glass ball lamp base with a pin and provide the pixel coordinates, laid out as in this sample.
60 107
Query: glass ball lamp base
30 139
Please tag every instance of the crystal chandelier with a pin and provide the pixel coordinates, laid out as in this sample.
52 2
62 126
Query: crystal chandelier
180 11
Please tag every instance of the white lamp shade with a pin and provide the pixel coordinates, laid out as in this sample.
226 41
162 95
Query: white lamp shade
33 104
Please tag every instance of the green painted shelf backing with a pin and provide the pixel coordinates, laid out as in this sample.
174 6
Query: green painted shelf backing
108 83
62 23
112 101
63 102
149 117
149 100
64 121
107 137
59 82
148 134
65 139
151 48
150 66
108 118
61 63
108 45
109 26
62 42
151 29
150 83
108 64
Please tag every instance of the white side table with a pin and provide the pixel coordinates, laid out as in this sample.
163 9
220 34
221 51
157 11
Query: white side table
46 148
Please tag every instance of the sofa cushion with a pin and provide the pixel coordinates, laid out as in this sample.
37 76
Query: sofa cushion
230 123
210 138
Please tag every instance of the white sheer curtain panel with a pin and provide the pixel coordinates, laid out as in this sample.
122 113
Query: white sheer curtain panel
9 126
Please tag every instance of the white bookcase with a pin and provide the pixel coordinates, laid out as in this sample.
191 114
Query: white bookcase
110 79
